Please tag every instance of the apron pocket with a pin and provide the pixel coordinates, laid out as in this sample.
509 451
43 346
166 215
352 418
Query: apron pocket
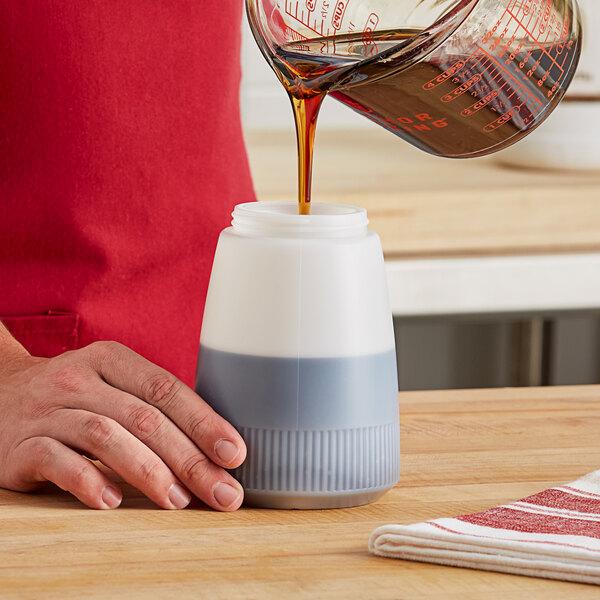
45 335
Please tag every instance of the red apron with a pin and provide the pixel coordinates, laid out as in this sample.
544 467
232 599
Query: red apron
121 158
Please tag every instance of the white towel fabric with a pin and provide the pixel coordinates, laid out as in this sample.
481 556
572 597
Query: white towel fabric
553 534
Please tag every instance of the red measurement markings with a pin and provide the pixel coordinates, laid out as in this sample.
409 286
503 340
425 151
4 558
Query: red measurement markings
537 13
549 50
565 30
564 36
505 118
495 66
453 70
530 108
502 39
471 110
546 16
531 8
293 35
536 42
526 7
524 99
509 83
338 14
372 22
297 11
488 65
511 87
368 41
311 5
459 91
533 104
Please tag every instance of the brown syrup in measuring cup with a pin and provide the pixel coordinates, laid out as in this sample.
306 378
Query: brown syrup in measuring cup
448 104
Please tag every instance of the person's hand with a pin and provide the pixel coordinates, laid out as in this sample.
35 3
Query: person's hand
107 402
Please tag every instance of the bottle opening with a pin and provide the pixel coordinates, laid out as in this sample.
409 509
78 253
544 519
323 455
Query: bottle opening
282 219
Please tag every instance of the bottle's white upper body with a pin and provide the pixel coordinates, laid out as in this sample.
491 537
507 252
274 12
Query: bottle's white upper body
289 285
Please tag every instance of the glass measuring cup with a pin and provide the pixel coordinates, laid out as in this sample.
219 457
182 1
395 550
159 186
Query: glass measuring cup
456 78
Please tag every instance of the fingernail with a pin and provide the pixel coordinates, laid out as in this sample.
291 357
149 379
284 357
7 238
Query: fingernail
179 496
225 494
226 451
111 497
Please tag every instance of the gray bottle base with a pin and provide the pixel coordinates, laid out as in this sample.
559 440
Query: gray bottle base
286 501
320 432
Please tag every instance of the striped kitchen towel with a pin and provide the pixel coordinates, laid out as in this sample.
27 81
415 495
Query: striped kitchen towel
553 534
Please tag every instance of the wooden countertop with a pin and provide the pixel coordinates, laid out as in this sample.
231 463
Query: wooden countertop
462 451
424 206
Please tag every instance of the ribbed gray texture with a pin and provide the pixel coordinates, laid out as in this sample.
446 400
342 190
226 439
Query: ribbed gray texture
320 461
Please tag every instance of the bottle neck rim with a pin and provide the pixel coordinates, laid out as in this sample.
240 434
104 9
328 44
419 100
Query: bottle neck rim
281 219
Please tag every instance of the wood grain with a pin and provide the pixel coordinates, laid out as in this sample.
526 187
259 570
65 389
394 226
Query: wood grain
424 206
462 451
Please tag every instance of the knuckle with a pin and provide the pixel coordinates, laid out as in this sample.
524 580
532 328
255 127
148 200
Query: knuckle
103 347
148 473
195 468
28 474
99 430
38 407
161 390
81 479
198 426
102 351
70 379
147 421
42 450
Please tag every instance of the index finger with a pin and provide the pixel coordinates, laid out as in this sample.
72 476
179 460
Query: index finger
126 370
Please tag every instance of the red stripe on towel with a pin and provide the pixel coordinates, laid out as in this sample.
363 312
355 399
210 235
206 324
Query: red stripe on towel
511 540
526 522
568 487
558 499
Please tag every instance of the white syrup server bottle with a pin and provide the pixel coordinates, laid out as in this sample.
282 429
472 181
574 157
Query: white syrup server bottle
297 352
570 138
